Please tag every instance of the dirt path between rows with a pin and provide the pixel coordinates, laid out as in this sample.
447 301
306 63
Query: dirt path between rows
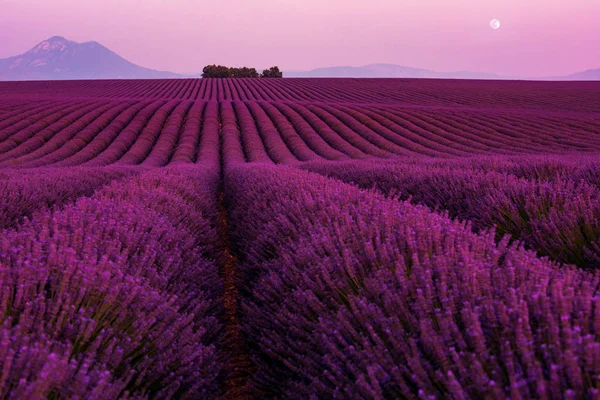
239 367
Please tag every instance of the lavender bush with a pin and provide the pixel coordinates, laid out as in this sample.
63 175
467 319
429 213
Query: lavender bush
24 193
351 295
116 295
557 217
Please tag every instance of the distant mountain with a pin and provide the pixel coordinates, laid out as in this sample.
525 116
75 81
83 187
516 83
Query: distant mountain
589 75
58 59
398 71
388 71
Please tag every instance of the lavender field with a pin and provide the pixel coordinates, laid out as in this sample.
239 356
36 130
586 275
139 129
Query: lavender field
299 239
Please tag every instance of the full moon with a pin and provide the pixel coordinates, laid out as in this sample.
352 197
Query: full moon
495 24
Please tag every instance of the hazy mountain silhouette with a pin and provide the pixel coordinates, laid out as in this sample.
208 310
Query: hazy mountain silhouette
58 58
388 71
589 75
399 71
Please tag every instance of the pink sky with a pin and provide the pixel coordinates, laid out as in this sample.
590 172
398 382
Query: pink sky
537 37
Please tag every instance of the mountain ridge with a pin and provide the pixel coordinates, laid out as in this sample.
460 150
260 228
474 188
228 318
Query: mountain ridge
58 58
383 70
588 75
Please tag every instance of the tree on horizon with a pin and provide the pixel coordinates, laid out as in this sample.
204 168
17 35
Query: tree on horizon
272 72
216 71
222 71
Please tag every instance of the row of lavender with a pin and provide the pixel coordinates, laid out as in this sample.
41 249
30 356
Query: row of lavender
550 203
344 293
147 133
112 295
554 96
157 133
348 294
25 193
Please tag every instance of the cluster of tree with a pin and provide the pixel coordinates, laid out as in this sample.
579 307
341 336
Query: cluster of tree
272 72
221 71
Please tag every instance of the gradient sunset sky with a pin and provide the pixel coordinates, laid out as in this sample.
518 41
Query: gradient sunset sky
537 37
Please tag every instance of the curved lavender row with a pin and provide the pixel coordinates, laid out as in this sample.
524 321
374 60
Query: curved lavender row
22 192
351 295
116 295
558 139
75 140
258 91
126 137
455 124
328 134
316 142
355 139
437 137
27 117
242 91
39 127
473 143
373 123
22 111
187 147
542 167
224 93
506 132
254 147
418 135
29 140
146 139
232 150
165 144
40 146
292 139
209 147
270 136
104 138
39 121
375 138
560 218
